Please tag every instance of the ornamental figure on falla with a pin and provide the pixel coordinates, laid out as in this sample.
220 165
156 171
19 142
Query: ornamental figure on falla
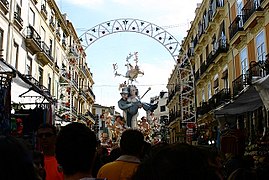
130 101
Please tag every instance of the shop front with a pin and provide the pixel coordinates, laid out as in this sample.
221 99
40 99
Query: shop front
25 104
243 123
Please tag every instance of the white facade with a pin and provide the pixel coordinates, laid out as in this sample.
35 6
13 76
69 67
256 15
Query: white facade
39 42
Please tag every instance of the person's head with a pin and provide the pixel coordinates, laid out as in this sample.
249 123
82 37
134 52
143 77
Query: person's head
76 149
119 118
46 134
124 93
131 142
177 161
15 160
133 90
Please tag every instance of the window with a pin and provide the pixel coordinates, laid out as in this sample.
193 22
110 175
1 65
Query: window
49 83
50 47
216 84
56 89
1 41
18 10
209 90
1 38
31 17
15 55
162 108
260 46
29 66
244 60
225 77
40 78
43 34
203 95
239 4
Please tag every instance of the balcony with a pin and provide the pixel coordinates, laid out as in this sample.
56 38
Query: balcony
173 92
197 75
82 117
252 13
42 88
64 43
256 71
217 10
90 93
44 12
203 68
4 6
45 55
58 34
264 3
236 30
82 93
75 84
173 116
203 109
52 24
221 49
33 40
89 115
18 20
219 98
197 46
239 84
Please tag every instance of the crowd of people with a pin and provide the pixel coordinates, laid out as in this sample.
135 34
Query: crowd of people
74 153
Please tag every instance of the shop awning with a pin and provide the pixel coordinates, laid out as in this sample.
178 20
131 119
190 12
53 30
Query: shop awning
262 87
21 84
246 102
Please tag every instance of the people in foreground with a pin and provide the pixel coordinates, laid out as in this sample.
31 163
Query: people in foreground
75 151
47 134
16 160
177 161
123 168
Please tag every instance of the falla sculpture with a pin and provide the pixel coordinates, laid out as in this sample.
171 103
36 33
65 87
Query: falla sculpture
130 100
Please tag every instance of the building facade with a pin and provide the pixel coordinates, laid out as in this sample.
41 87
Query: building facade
227 46
40 45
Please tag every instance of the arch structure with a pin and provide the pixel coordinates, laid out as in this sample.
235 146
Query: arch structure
185 71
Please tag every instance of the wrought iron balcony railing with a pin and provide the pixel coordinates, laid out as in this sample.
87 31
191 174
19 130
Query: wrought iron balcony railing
250 7
32 34
237 25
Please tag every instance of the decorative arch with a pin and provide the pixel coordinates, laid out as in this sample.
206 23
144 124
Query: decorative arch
164 38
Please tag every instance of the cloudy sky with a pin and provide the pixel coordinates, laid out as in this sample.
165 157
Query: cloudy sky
173 15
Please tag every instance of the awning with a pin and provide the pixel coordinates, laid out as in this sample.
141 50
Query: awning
20 84
262 86
246 102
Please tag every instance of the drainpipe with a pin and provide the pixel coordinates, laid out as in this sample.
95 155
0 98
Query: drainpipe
233 70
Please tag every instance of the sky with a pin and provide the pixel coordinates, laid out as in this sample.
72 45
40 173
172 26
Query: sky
157 63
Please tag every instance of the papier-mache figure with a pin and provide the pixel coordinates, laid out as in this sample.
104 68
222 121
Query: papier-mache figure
130 101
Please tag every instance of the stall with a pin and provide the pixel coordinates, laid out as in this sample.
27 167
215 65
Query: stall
25 104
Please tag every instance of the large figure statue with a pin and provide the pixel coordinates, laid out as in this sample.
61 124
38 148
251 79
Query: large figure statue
130 103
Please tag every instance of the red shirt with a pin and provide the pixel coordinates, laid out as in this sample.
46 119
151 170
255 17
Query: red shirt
51 167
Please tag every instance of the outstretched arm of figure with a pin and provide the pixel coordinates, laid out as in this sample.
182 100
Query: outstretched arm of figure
124 105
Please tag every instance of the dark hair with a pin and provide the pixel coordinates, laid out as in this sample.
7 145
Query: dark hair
131 142
15 160
177 161
75 148
49 126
